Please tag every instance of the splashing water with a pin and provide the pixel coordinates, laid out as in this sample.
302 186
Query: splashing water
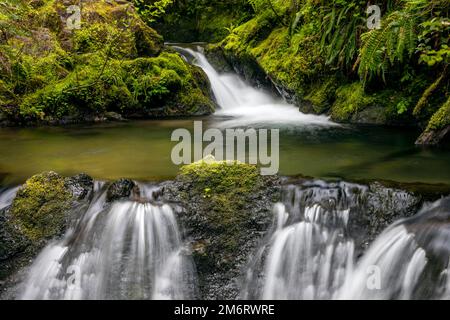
128 251
246 105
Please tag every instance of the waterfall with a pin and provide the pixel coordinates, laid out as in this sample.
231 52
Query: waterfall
7 197
411 258
311 252
246 105
307 255
128 250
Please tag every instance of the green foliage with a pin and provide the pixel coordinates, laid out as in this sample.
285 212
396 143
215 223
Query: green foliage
113 63
341 26
152 11
395 41
349 100
433 45
195 21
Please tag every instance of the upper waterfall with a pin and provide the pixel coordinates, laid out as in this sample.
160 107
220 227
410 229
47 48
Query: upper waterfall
246 105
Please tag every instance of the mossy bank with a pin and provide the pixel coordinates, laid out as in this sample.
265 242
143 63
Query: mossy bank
113 66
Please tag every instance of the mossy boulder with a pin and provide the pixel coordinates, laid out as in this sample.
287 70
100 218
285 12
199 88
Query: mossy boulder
350 100
39 212
41 205
227 207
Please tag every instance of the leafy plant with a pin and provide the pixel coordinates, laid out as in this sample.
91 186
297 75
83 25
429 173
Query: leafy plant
152 11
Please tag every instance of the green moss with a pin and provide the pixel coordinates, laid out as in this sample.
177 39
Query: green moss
350 99
225 187
40 206
225 184
441 118
322 94
222 189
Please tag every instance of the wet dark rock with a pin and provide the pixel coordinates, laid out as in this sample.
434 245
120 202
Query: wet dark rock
120 189
226 211
80 185
11 240
373 206
433 137
113 116
248 68
374 114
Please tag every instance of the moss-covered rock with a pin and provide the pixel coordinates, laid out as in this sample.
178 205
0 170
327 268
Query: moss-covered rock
350 100
227 207
40 212
438 127
40 206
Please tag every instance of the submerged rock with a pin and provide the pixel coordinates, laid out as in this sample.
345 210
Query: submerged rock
227 207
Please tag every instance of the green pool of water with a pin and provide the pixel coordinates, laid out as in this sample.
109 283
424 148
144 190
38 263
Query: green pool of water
141 150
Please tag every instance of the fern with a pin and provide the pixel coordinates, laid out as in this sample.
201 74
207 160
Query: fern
398 37
381 48
340 30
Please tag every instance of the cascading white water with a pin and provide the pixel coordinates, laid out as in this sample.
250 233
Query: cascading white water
131 250
306 261
310 255
247 105
7 196
398 262
411 259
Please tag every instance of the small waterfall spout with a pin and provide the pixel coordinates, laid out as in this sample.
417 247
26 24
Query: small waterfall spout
308 254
